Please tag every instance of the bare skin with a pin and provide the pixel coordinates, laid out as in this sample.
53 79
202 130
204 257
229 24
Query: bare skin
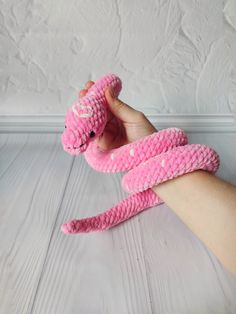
204 202
125 124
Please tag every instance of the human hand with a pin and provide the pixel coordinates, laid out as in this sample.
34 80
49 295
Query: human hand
124 124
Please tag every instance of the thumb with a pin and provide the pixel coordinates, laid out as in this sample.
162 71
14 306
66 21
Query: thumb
120 109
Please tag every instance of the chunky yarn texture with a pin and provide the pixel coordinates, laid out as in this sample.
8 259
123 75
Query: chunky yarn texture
151 160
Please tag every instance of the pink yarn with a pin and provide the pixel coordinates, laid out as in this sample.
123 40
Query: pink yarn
151 160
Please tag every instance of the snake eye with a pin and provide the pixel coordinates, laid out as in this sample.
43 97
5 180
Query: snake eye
92 134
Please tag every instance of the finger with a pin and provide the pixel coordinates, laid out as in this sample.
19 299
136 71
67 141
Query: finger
89 84
82 93
109 139
106 140
120 109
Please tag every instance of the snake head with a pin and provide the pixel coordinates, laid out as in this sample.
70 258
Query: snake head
87 118
84 122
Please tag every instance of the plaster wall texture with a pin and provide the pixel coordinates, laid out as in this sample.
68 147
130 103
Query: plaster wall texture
172 56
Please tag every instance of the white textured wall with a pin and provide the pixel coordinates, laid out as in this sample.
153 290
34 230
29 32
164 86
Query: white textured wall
173 56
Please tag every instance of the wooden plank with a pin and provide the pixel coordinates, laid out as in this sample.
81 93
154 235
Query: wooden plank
149 264
97 272
182 273
34 173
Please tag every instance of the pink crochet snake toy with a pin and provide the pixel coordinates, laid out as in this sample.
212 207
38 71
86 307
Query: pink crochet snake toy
151 160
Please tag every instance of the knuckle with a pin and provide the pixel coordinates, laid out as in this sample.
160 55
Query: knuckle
140 115
119 104
89 83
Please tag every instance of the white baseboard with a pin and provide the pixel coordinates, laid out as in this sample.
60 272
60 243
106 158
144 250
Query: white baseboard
197 123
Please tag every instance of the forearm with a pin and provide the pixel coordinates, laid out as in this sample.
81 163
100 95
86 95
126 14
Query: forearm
207 205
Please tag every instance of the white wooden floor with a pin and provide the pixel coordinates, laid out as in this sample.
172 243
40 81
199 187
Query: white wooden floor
149 264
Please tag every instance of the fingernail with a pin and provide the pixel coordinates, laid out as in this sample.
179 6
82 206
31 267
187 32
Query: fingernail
112 92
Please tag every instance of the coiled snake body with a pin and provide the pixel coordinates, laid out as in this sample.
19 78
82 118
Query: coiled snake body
151 160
